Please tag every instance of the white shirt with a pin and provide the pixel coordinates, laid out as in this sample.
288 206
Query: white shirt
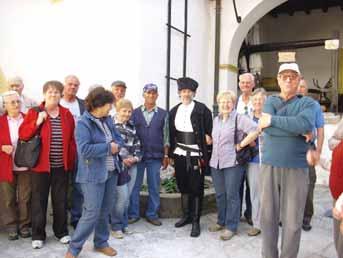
113 112
73 107
183 124
244 109
13 125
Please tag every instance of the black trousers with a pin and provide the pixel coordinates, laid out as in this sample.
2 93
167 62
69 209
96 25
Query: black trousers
189 180
41 182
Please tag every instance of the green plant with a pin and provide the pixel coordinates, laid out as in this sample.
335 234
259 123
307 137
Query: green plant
170 185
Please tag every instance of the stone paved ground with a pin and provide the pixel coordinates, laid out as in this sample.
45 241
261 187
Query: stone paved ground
167 242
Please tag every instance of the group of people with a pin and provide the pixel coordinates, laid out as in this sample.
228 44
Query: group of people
94 154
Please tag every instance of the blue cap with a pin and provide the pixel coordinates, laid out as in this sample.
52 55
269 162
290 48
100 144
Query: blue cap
150 87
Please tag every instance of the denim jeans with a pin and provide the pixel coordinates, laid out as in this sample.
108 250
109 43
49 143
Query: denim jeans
98 203
119 215
227 182
76 199
152 167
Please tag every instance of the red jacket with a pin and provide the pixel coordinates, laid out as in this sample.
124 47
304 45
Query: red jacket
6 161
336 172
28 129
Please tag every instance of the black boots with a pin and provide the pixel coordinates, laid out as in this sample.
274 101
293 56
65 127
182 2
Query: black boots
195 232
186 203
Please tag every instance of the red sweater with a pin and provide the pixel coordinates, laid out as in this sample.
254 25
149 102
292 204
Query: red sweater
28 129
336 171
6 161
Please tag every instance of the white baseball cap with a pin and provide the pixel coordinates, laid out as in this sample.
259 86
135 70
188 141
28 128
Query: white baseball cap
289 66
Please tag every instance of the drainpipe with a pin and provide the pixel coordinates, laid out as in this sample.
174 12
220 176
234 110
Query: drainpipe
216 56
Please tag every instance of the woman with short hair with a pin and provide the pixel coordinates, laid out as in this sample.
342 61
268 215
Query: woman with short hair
130 154
98 144
227 174
15 182
55 124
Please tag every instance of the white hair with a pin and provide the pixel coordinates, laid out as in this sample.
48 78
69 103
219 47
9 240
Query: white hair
6 94
252 77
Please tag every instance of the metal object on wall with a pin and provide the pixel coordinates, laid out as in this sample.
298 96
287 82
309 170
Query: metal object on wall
185 38
216 56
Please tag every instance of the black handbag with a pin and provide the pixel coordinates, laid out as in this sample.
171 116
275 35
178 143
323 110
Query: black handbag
27 152
244 155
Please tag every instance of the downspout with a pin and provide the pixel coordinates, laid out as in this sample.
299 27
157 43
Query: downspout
216 56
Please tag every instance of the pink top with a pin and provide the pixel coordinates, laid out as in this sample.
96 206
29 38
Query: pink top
13 125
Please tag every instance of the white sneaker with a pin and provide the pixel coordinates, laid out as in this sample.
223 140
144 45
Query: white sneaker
117 234
37 244
127 231
65 240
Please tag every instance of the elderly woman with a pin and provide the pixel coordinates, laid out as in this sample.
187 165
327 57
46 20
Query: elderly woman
15 182
253 171
57 156
98 144
227 174
130 154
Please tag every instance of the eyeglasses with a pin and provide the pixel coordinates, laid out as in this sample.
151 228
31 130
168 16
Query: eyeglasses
13 102
291 77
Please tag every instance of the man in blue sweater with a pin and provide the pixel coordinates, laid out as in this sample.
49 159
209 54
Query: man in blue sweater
152 128
284 174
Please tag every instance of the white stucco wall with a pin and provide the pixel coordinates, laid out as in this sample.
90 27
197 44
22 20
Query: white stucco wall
101 41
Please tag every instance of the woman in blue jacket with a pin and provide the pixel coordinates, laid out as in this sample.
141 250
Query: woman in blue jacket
98 144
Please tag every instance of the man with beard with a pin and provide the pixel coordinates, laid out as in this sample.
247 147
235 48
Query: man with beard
190 129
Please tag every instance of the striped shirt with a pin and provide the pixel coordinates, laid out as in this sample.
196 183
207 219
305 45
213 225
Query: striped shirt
56 143
110 160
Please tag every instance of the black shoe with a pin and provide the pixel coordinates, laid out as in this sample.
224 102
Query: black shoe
25 233
133 220
186 205
195 232
13 236
307 226
183 222
155 222
249 221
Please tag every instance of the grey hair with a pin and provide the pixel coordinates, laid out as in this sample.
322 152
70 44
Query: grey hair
252 77
71 76
259 91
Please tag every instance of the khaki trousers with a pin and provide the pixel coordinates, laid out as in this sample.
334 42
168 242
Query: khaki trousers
283 198
16 198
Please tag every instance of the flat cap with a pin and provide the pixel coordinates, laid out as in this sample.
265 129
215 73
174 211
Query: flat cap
118 83
187 83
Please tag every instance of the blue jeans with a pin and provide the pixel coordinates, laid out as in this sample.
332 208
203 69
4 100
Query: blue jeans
119 215
152 167
98 203
76 200
227 182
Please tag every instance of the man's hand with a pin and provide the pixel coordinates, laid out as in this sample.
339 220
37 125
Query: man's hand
165 162
264 121
171 162
8 149
308 136
208 139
